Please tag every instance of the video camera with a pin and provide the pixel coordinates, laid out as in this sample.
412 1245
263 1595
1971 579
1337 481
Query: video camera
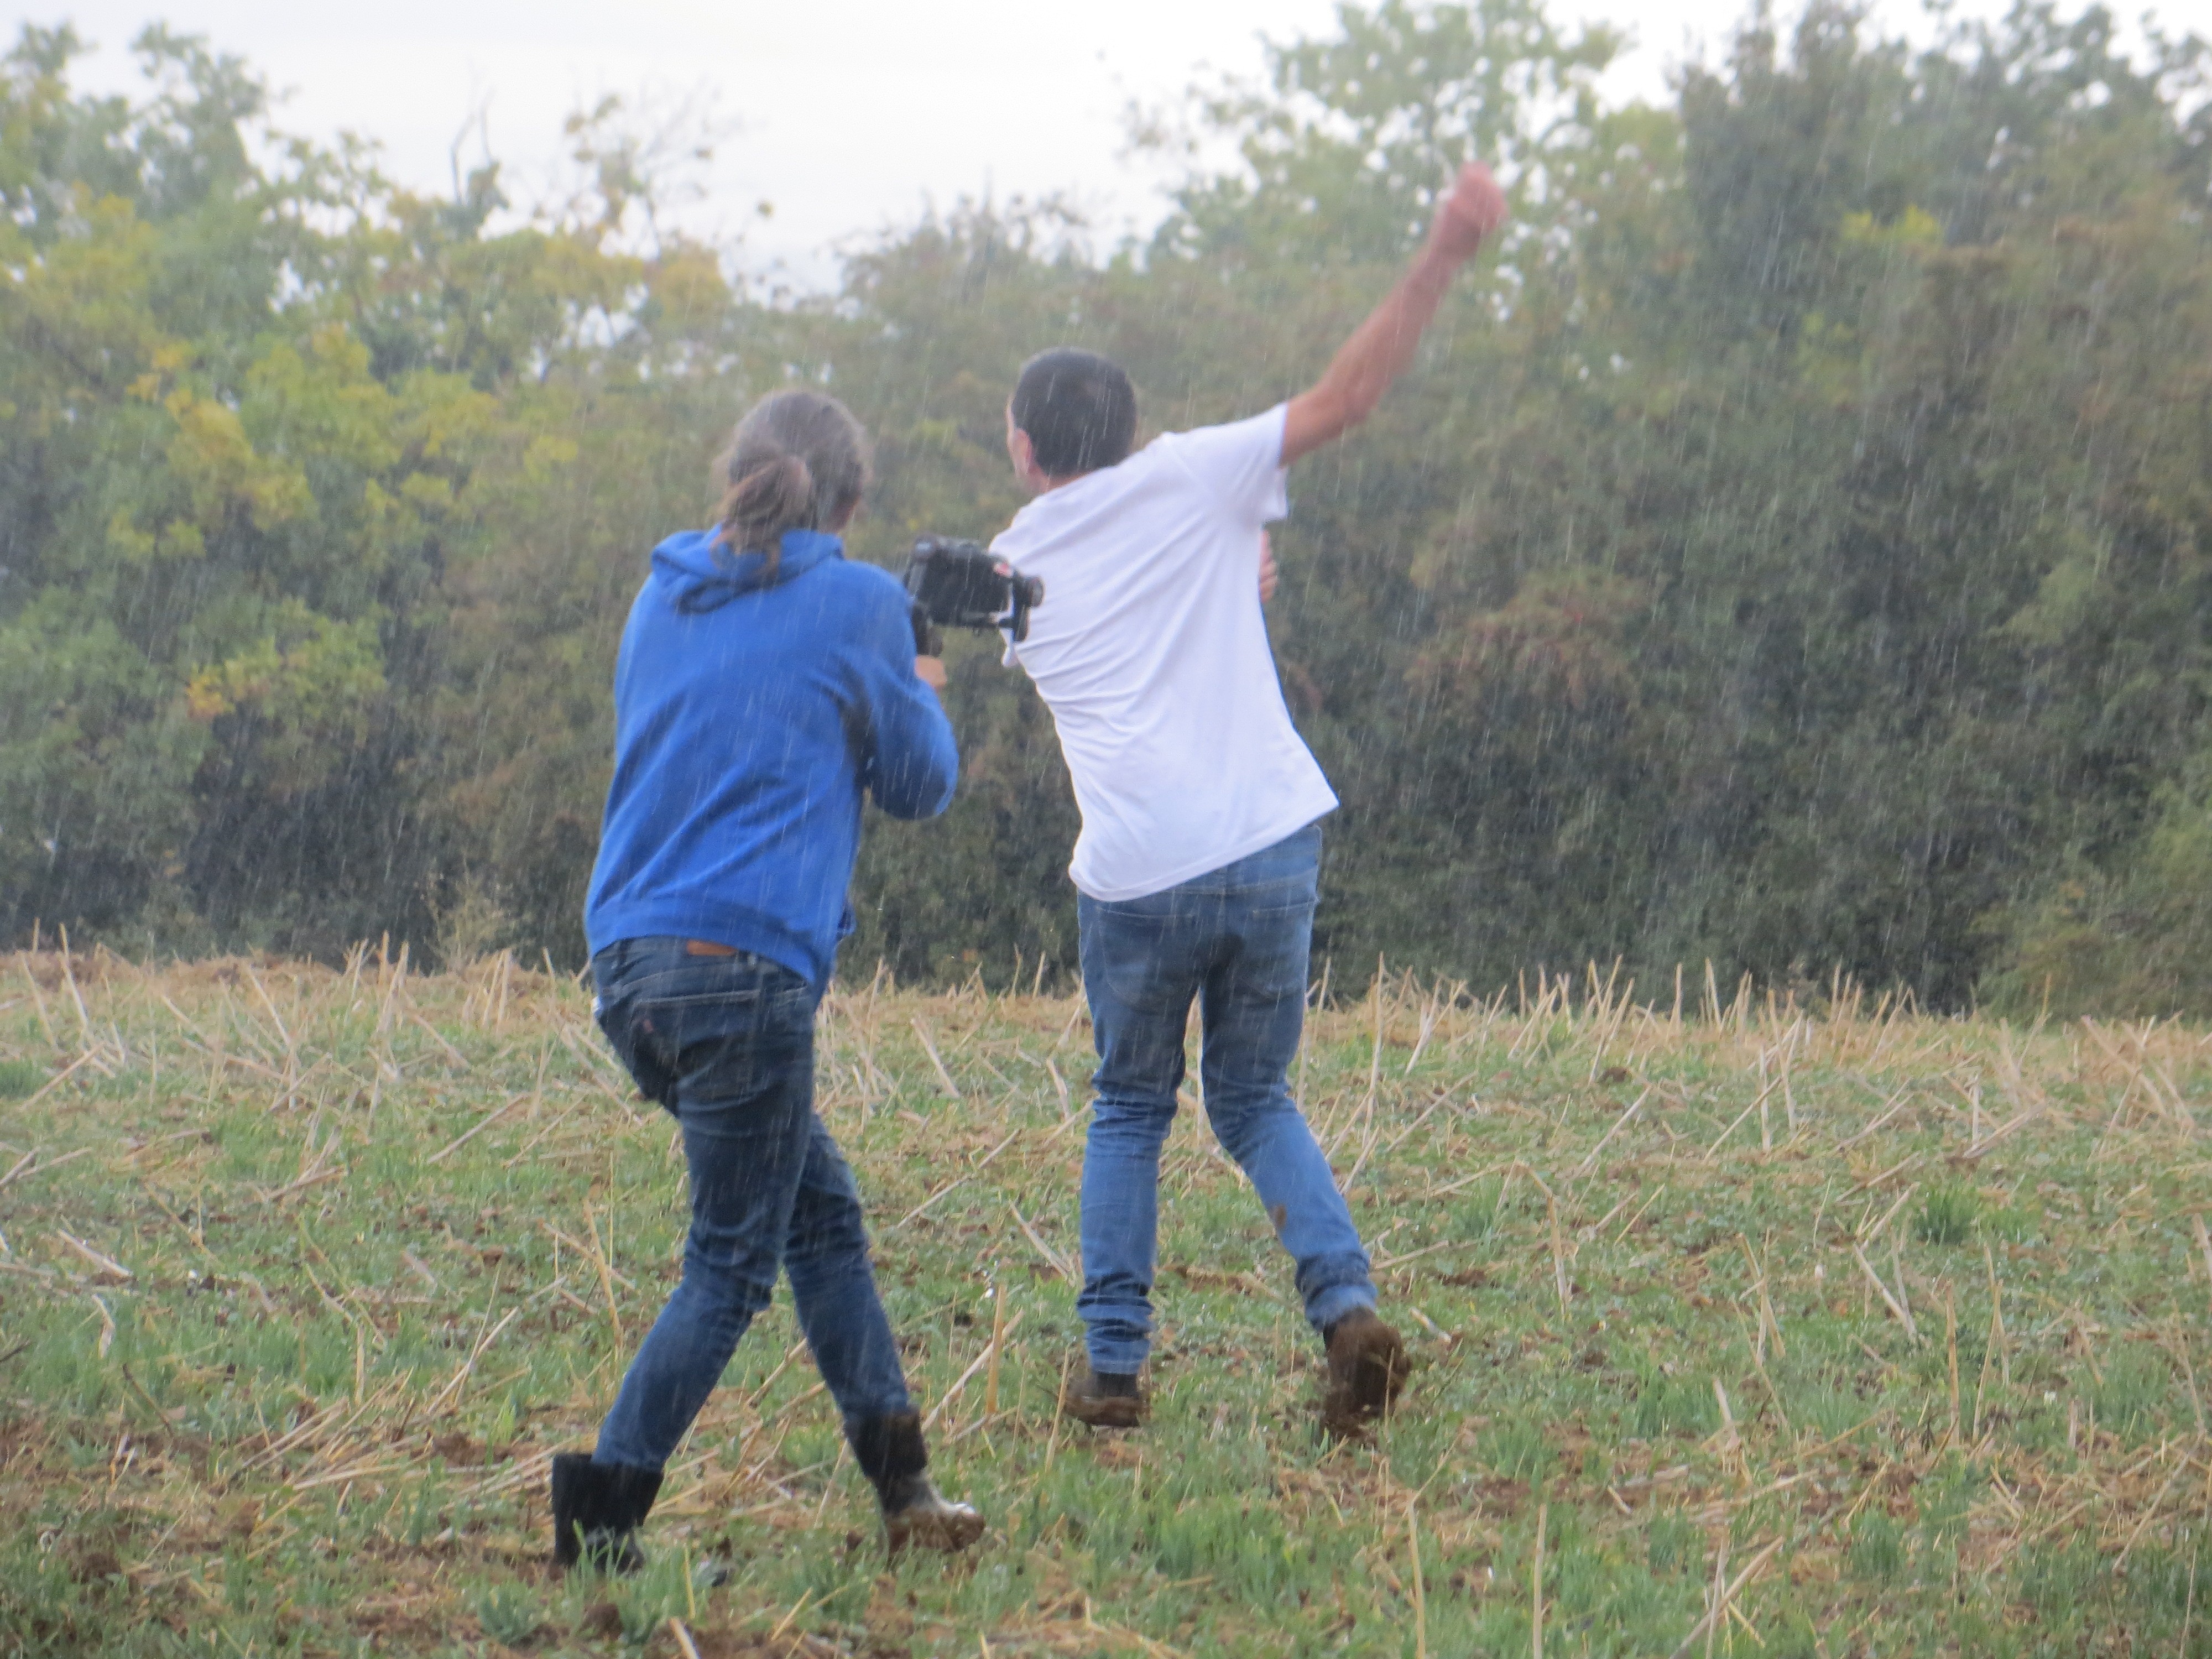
958 584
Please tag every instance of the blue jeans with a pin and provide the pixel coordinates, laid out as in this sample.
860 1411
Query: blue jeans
726 1044
1236 939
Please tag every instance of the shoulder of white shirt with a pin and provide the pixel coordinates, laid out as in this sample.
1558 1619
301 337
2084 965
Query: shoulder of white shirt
1161 445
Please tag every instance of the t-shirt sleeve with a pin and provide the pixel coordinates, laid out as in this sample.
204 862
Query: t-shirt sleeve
1241 466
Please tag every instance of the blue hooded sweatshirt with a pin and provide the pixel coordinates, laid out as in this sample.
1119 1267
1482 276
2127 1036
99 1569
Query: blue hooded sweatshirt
753 709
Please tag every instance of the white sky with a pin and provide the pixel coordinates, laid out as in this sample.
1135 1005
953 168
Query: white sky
851 115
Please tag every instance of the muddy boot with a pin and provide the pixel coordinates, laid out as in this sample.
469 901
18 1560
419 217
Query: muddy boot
1367 1366
597 1511
1104 1400
890 1453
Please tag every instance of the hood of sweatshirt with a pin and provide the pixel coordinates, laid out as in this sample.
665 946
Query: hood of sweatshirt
704 574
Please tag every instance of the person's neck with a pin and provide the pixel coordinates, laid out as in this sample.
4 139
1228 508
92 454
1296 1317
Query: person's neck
1049 485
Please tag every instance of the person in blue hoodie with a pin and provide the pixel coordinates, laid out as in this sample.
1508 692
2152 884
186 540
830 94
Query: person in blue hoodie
766 685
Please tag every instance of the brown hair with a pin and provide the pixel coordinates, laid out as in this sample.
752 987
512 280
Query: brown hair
798 461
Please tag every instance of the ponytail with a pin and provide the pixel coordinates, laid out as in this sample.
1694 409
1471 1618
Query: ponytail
776 495
798 461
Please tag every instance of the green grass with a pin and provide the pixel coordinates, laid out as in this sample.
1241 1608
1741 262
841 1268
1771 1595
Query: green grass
389 1241
1946 1215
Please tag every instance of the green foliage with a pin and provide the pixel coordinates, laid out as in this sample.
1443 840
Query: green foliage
1667 1403
1674 1545
2136 935
508 1612
2131 1398
1517 1451
1876 1550
1794 565
1946 1215
1945 1499
1347 141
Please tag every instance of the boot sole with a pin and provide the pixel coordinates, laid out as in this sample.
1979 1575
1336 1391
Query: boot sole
945 1530
1114 1412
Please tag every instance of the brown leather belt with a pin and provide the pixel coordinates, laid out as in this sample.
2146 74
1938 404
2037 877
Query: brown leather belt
704 947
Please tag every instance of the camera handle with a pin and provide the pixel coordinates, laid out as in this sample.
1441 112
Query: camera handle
928 638
1027 591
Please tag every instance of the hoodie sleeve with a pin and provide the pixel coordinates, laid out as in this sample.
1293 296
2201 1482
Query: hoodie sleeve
909 762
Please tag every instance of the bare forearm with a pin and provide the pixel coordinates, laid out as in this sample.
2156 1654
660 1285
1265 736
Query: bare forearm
1381 348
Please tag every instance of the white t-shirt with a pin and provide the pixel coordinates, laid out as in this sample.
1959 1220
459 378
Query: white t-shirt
1152 652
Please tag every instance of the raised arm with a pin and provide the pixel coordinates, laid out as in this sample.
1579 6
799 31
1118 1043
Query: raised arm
1379 349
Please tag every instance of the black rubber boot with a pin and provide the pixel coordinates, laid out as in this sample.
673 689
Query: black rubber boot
890 1453
597 1511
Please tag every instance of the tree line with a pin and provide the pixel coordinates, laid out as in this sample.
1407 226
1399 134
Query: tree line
1790 552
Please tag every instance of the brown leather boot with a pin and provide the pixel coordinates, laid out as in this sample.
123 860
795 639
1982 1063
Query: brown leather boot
890 1453
1105 1400
1367 1366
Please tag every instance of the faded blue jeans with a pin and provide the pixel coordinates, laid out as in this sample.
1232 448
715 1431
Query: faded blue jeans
726 1044
1237 939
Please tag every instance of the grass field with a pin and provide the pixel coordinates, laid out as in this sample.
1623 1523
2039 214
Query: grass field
1743 1329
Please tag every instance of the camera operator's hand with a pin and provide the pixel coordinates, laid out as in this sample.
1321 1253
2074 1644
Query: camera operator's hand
1470 215
931 671
1268 574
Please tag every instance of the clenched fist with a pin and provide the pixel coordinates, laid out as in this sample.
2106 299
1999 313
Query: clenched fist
1470 215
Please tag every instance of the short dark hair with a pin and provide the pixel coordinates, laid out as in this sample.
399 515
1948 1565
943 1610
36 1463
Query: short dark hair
1078 409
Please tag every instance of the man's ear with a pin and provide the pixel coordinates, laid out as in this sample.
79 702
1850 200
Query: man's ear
1023 454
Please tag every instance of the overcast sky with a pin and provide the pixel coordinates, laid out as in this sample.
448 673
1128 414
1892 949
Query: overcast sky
850 115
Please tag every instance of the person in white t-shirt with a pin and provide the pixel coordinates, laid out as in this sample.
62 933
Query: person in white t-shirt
1197 863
